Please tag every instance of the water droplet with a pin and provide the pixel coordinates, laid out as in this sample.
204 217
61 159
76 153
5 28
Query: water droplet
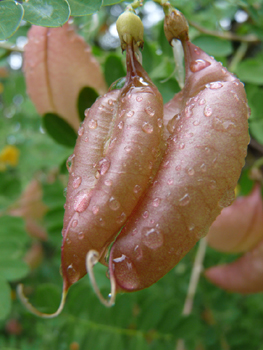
81 235
86 139
152 237
69 163
81 202
102 222
74 223
184 200
208 111
108 182
127 149
215 85
72 274
120 125
191 227
65 191
200 234
236 83
182 145
114 204
93 124
121 218
212 184
86 112
170 181
68 240
196 122
104 165
145 215
137 189
139 98
150 111
203 167
110 102
120 259
227 199
159 122
197 51
147 128
95 209
81 131
76 182
191 171
202 102
137 252
178 167
130 114
156 202
198 65
134 231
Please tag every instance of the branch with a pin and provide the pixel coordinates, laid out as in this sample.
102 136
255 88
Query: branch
194 279
250 38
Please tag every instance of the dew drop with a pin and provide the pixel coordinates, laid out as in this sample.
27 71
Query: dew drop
184 200
120 125
108 182
74 223
73 275
159 122
150 111
227 199
196 122
152 237
156 202
137 189
104 165
202 102
114 204
145 215
80 235
182 145
139 98
121 218
170 182
81 202
68 240
178 167
130 114
69 163
86 139
86 112
110 102
191 171
137 252
134 231
81 131
215 85
95 209
147 128
212 184
208 111
203 167
191 227
127 149
198 65
93 124
76 182
65 191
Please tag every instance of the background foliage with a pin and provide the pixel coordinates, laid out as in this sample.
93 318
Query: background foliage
150 319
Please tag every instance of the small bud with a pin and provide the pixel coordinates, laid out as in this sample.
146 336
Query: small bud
130 27
175 26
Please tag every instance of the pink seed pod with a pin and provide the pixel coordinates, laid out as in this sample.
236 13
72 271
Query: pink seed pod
244 275
195 180
112 164
239 227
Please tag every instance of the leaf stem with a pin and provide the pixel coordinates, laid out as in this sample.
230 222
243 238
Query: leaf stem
11 47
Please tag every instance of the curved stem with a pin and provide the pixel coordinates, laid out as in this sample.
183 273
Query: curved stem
91 259
33 310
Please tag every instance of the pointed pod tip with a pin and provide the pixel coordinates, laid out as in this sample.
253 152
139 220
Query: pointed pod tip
91 259
33 310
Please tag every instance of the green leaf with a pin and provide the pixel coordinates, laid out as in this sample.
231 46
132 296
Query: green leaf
213 45
168 88
53 195
111 2
13 227
5 299
87 97
59 130
46 13
11 14
10 184
13 270
10 248
256 129
47 297
251 71
84 7
113 69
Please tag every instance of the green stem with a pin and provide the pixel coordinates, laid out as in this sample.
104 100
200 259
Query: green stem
239 55
11 47
258 163
133 6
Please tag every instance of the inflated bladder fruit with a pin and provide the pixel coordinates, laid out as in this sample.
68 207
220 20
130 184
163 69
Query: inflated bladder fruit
112 165
198 173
